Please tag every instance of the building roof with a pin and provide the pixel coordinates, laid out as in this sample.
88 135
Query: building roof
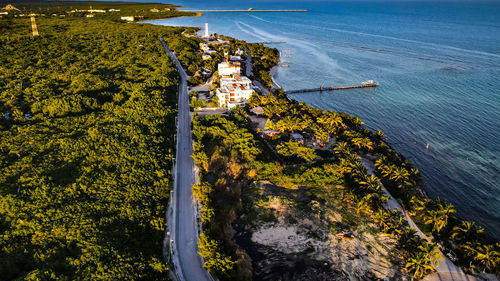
257 110
236 58
10 7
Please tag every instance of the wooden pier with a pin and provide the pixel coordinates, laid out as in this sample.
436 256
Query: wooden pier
249 10
321 88
272 42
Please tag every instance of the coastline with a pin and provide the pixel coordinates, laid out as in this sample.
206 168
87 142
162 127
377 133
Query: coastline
273 72
151 20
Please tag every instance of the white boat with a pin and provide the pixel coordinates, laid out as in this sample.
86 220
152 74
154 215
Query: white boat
368 82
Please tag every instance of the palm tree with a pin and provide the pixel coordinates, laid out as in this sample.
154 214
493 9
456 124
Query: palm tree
418 265
380 216
362 143
381 161
270 125
342 148
376 199
486 255
322 135
331 120
414 172
435 218
345 166
439 218
361 207
371 183
357 121
418 204
432 252
466 231
399 174
380 135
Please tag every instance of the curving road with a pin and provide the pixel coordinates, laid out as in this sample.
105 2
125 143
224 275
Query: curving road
184 231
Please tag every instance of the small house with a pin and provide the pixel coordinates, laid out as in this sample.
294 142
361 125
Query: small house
236 59
296 137
128 18
238 52
257 110
271 133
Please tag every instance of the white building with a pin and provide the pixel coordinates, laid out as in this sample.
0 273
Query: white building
234 91
204 47
128 18
228 69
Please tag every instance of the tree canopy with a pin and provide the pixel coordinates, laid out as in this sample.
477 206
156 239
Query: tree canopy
86 146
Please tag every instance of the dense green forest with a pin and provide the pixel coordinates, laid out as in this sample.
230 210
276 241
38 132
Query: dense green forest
86 144
79 9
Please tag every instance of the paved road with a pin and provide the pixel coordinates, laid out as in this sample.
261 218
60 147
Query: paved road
184 232
446 270
248 61
248 72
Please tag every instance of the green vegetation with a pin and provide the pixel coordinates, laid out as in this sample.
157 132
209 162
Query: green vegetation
291 148
87 115
80 9
223 150
232 155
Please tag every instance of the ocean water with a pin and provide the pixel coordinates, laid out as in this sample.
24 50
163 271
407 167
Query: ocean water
438 65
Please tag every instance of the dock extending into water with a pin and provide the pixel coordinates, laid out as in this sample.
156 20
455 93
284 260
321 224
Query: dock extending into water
273 42
249 11
321 88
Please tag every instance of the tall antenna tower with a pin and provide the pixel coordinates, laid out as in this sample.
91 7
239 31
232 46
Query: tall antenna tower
33 26
206 30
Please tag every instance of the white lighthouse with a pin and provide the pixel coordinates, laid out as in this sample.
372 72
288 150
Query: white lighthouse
206 30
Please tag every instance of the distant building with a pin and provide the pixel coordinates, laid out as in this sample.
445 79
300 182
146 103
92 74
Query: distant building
257 110
10 7
97 11
271 133
89 15
206 56
113 10
236 58
227 69
204 47
128 18
4 13
238 52
154 10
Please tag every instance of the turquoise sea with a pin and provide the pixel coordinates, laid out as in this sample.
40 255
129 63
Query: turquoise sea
438 65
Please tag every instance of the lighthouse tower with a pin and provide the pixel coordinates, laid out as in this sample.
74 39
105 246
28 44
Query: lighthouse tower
206 30
33 26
